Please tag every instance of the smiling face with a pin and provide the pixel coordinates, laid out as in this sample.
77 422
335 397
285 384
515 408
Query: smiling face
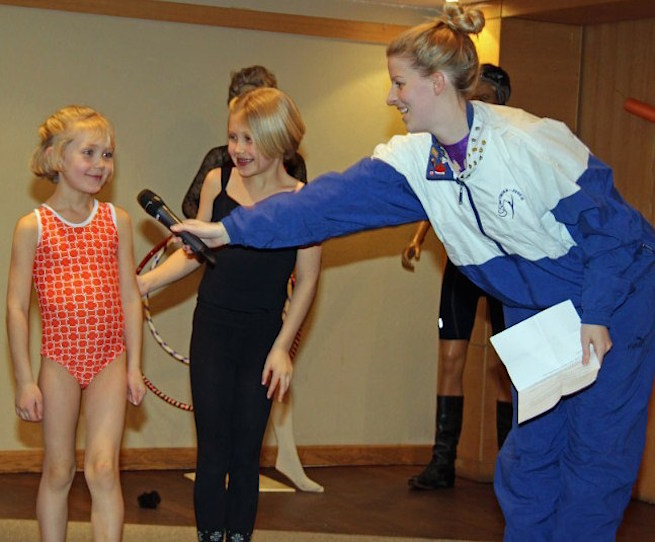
412 93
87 162
242 148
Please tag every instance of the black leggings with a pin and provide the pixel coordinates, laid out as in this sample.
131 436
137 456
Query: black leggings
228 352
459 303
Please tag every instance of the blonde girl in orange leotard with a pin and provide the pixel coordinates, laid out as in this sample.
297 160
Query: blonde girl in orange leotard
77 253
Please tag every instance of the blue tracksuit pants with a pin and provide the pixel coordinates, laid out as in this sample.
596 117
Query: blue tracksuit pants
567 476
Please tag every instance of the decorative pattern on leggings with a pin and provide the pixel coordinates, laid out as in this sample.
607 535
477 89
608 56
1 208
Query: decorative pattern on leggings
207 536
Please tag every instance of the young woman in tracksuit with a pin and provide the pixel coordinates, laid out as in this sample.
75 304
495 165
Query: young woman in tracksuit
457 308
533 219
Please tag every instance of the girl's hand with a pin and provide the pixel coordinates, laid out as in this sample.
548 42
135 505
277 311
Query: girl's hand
136 388
141 283
412 252
29 402
599 337
278 370
213 234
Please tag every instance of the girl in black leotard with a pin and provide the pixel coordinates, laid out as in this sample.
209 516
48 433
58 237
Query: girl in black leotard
239 342
287 460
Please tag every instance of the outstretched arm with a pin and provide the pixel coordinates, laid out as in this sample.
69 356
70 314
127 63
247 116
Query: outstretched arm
177 266
213 234
371 194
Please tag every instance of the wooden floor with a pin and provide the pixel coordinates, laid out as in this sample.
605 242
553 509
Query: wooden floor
357 500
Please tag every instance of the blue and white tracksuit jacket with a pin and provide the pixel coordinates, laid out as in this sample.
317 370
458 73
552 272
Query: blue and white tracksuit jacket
534 220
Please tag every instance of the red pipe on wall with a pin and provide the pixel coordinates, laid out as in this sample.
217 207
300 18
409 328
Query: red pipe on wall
640 109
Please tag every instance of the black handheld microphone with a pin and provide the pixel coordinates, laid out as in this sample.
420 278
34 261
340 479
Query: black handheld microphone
155 207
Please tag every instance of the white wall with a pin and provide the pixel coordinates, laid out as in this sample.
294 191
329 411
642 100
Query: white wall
366 371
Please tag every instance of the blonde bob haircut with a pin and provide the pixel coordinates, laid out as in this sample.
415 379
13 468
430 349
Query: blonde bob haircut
273 119
59 130
444 45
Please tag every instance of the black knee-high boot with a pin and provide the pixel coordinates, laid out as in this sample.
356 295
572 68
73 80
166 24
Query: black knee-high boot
503 421
440 472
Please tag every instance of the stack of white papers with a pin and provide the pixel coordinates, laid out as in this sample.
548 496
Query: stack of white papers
543 356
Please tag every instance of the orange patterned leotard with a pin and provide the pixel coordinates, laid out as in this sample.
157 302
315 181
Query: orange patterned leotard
76 278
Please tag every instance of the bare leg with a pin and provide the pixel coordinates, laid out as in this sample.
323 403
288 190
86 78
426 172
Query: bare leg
287 461
452 359
105 401
61 397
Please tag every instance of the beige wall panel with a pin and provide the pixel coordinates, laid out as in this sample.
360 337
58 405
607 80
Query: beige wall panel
366 369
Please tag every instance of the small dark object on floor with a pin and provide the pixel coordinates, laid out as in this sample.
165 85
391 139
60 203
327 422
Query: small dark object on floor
149 500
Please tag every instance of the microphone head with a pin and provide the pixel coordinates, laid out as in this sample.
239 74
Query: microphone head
150 201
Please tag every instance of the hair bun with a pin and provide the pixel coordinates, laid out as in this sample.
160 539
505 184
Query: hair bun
458 19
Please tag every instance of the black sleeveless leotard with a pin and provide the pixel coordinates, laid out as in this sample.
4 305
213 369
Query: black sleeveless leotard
245 279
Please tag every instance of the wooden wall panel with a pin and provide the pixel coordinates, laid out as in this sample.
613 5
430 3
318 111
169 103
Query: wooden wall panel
579 11
619 62
645 487
543 62
583 75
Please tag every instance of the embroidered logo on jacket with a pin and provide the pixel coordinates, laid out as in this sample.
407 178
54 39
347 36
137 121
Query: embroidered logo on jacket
438 167
507 200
